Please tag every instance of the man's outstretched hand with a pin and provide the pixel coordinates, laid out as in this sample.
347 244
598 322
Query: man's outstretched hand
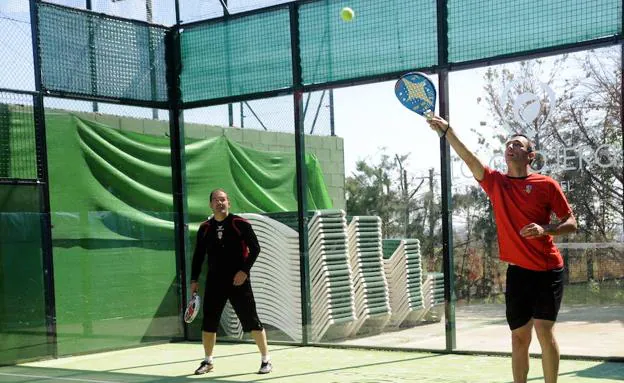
438 124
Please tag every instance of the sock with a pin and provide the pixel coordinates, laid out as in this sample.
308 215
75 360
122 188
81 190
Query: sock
208 359
265 358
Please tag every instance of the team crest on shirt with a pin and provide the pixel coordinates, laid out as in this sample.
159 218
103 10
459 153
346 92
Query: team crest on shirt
219 231
528 188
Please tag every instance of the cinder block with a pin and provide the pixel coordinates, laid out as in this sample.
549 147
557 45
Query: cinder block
313 142
323 155
234 134
329 143
250 136
339 143
268 138
285 139
336 155
337 180
213 131
131 125
108 120
194 131
156 128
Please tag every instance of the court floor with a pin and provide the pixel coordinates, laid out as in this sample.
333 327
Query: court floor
175 362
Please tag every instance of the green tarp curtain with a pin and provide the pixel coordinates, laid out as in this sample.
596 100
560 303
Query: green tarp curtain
112 184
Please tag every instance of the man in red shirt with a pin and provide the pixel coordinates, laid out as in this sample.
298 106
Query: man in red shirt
523 203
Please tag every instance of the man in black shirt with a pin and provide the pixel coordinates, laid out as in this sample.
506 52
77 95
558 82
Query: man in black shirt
232 248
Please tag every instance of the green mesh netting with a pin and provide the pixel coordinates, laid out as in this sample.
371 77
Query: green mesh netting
95 55
384 37
480 29
18 150
236 57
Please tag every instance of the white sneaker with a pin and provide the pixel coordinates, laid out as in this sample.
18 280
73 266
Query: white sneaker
265 368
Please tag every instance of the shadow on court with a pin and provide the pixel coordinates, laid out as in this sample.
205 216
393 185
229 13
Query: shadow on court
604 370
175 362
20 374
23 374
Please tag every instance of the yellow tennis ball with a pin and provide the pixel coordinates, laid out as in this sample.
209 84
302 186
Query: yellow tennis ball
347 14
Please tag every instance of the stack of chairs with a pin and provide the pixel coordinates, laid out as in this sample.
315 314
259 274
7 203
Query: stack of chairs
402 265
372 300
433 293
275 279
414 282
332 297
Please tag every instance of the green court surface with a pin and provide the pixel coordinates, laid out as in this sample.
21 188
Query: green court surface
239 362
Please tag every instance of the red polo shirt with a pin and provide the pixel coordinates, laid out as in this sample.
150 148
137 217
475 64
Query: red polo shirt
518 202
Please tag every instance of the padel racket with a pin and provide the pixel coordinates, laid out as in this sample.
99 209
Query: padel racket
417 93
192 308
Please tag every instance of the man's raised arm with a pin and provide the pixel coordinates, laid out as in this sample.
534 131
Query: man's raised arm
472 161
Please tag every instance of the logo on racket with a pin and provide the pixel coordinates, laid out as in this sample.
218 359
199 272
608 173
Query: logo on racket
192 309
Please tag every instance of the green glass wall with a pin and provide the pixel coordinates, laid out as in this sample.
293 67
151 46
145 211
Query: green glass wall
22 300
112 236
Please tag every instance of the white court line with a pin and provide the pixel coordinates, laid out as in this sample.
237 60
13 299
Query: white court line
58 378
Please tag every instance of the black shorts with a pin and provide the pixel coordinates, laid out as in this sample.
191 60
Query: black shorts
532 294
241 297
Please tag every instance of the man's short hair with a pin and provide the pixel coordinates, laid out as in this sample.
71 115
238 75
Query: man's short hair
216 191
531 147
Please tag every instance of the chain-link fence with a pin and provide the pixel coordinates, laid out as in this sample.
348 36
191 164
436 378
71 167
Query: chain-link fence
16 57
275 114
18 154
153 11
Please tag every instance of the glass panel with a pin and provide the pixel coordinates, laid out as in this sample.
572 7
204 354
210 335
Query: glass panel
248 149
23 333
570 107
112 212
375 264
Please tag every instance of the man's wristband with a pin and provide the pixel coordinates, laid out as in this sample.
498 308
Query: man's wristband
446 130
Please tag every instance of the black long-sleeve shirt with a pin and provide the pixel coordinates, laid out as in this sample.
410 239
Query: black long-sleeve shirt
231 246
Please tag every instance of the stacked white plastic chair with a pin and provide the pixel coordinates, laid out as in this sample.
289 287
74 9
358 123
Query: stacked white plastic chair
332 298
433 293
402 264
275 279
372 300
